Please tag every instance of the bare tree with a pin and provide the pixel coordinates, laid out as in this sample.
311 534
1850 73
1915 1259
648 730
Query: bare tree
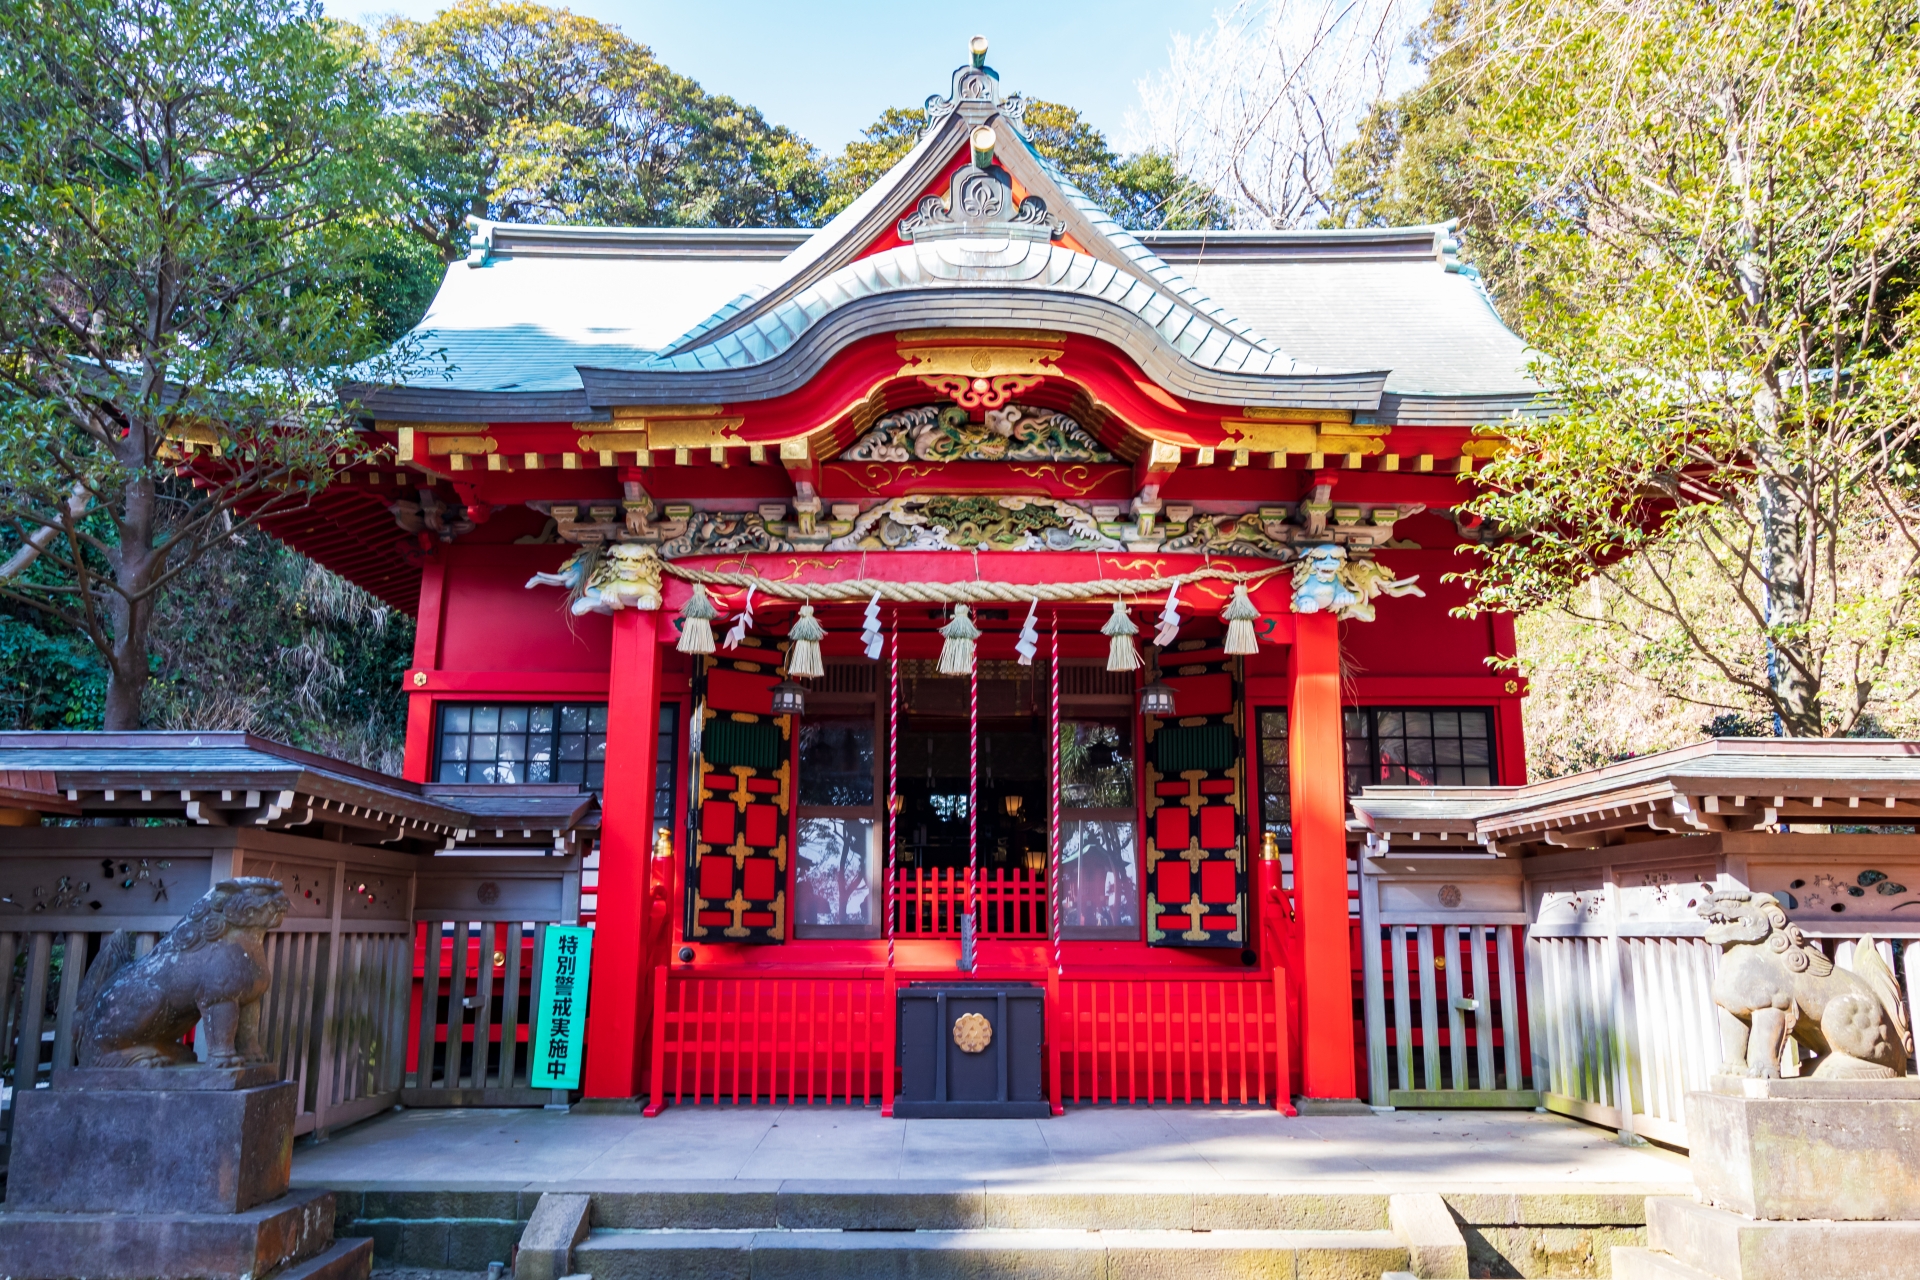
1258 107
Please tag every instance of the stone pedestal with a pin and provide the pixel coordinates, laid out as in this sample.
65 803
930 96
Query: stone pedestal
162 1174
98 1142
1797 1178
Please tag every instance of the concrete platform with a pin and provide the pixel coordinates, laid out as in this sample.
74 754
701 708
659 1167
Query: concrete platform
1202 1190
540 1150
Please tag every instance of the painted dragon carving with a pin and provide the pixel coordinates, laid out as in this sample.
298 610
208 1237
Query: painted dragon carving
967 523
1015 433
1774 983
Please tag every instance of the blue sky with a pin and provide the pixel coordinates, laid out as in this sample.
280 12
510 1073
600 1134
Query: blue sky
827 70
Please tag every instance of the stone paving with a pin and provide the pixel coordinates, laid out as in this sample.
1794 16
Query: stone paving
1450 1150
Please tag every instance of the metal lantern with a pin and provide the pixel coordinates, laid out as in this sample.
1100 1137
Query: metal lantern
789 699
1156 700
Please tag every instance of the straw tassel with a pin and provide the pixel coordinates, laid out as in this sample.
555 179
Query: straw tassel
806 634
1120 654
956 655
696 622
1239 615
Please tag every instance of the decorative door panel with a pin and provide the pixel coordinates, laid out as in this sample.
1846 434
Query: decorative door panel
1196 825
737 883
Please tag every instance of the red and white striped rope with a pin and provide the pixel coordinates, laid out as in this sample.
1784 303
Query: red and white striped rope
893 779
1053 770
973 804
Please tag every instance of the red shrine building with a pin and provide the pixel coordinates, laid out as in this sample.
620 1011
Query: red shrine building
966 591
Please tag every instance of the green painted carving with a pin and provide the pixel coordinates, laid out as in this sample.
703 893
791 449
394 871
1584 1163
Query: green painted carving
956 523
943 433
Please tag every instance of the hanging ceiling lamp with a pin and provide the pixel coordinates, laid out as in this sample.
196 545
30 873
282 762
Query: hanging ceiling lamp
1156 700
789 699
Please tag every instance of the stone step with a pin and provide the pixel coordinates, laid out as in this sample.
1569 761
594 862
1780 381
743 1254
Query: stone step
1647 1264
1046 1253
342 1260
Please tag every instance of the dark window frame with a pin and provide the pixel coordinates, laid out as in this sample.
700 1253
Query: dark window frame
1367 773
590 763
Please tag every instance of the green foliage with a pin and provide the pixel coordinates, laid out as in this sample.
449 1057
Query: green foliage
1405 165
188 192
519 112
253 637
1707 221
1141 192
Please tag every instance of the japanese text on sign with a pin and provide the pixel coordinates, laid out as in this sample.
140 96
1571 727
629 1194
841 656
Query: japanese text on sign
560 1024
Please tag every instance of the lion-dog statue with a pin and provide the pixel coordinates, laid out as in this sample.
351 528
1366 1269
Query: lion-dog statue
1774 983
211 968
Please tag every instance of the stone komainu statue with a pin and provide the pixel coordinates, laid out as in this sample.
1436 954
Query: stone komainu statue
1774 983
210 968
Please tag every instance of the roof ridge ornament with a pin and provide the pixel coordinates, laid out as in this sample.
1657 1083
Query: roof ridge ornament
979 201
975 92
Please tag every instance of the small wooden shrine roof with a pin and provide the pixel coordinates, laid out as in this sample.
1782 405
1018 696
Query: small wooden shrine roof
237 779
1723 784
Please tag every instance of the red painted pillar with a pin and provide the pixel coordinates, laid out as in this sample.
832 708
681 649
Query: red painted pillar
616 1025
1318 769
417 763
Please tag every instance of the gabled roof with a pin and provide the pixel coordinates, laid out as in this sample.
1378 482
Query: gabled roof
237 779
545 323
1722 784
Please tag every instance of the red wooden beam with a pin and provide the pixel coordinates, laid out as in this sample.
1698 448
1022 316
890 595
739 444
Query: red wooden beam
1315 745
616 1027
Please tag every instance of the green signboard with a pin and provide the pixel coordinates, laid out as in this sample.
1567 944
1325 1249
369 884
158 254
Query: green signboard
560 1023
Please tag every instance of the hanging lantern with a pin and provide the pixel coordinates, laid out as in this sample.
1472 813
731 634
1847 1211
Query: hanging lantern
806 634
789 699
1013 803
696 622
1120 654
1156 700
1239 615
956 655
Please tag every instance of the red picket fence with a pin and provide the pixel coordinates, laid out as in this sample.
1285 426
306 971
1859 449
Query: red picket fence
733 1036
721 1037
1202 1038
928 902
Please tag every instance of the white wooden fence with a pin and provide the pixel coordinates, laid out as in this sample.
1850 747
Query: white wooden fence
1445 1003
1631 1016
1589 991
339 1015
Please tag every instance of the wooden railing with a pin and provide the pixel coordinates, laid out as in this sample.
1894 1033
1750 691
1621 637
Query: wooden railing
342 1011
1630 1017
480 932
929 902
1203 1038
735 1036
721 1036
1446 1016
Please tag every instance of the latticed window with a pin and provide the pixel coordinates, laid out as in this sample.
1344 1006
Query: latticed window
513 742
1419 747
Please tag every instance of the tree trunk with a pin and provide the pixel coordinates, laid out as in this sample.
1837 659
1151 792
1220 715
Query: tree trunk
129 610
1792 688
